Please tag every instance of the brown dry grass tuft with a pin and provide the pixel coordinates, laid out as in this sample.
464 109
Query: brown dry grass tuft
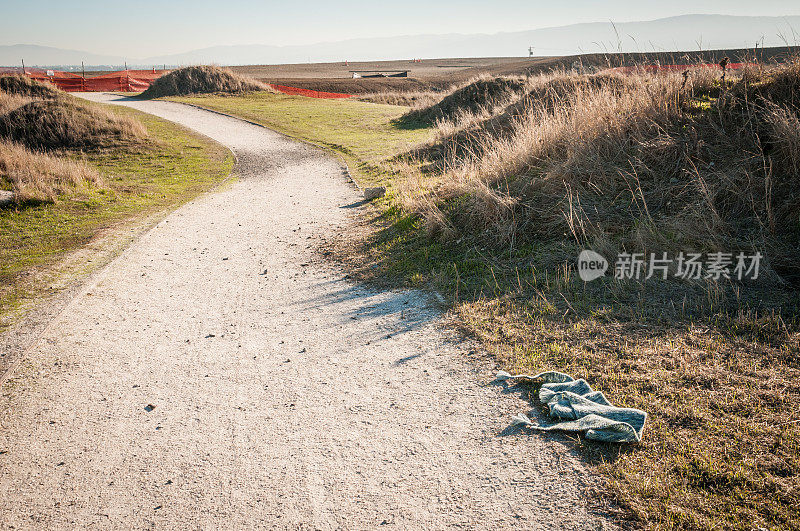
202 80
610 159
35 117
25 86
468 131
9 102
37 177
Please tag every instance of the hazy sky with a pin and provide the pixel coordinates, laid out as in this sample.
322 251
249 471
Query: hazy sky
142 28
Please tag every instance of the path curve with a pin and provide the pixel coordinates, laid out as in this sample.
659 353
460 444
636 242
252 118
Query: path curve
285 395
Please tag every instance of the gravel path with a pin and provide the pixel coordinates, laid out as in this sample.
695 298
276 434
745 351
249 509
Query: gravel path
284 395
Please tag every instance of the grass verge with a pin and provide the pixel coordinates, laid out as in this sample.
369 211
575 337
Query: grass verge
174 167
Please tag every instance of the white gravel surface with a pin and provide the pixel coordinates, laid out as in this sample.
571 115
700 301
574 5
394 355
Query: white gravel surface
284 395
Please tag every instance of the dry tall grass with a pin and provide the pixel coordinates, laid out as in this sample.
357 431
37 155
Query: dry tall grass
9 102
25 86
36 176
477 95
36 117
645 161
469 130
202 80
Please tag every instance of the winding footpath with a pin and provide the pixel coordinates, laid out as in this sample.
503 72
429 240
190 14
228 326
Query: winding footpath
220 374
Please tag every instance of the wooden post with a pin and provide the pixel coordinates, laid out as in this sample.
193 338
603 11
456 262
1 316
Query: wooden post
723 64
23 67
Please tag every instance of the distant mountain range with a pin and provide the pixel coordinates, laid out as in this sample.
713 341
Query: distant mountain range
35 55
681 33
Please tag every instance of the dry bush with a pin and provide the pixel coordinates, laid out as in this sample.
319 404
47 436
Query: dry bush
25 86
645 161
36 176
67 124
202 80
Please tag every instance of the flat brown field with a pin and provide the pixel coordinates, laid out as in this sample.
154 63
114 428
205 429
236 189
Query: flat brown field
428 68
440 74
430 74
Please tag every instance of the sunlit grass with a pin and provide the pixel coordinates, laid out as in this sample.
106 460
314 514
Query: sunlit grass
364 133
175 166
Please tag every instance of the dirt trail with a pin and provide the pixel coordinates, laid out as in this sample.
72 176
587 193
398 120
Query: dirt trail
285 396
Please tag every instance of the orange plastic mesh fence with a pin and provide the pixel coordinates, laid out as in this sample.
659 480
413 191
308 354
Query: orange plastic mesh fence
133 81
122 81
294 91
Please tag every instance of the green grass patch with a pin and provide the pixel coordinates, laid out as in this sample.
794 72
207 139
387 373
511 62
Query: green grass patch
366 134
174 166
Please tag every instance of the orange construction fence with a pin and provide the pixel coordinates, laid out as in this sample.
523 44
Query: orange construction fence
294 91
122 81
134 81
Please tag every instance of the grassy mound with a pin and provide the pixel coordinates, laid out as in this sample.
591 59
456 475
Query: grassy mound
472 98
710 166
25 86
201 80
66 124
35 117
471 133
